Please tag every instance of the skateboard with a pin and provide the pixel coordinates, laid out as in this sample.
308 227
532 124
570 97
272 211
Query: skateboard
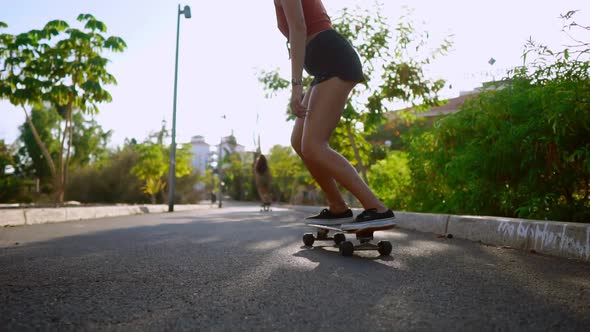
347 248
265 207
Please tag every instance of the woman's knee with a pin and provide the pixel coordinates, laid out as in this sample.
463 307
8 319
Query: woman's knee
296 145
312 151
297 136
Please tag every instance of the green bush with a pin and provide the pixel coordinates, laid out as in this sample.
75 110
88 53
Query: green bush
110 183
520 150
10 189
390 179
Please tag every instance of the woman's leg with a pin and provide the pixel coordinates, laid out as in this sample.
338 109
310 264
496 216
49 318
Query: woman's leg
326 104
335 201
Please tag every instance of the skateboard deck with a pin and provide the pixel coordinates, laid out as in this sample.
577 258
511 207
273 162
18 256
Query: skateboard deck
363 234
352 228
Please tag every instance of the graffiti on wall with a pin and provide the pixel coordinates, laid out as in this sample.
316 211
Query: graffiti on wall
543 238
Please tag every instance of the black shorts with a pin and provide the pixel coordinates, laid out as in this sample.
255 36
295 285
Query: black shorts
329 55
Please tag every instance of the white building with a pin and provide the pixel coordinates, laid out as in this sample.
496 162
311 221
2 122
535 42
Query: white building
229 144
200 151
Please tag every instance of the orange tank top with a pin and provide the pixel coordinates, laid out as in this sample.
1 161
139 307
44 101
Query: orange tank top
316 17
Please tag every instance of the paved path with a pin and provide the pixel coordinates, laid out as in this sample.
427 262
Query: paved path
238 269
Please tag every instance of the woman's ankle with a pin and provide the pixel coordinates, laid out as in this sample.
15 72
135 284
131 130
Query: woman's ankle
338 208
379 208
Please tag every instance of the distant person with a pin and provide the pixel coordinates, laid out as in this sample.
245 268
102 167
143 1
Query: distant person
336 69
263 180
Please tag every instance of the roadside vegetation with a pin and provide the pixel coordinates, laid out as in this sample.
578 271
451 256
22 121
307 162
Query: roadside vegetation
519 148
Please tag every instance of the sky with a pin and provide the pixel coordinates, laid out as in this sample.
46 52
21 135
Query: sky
227 43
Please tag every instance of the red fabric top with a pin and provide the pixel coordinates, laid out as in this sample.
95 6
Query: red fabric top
316 17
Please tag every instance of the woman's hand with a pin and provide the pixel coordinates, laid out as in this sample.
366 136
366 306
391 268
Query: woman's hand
297 107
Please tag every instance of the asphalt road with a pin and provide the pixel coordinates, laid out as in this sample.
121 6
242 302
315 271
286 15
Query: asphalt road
239 269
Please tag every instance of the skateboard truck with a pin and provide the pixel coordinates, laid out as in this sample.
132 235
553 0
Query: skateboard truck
345 247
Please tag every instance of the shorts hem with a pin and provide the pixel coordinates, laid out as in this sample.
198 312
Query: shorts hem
317 81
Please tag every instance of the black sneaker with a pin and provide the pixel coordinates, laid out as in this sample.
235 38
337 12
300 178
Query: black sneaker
372 215
326 217
371 219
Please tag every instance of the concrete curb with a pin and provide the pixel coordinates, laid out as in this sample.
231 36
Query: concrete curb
44 216
568 240
423 222
12 217
561 239
32 216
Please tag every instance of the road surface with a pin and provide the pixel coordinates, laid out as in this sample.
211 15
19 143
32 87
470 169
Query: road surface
237 268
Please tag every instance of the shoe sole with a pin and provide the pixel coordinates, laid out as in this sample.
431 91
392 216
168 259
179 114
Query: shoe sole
330 222
374 225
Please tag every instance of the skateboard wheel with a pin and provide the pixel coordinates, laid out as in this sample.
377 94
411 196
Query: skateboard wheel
339 238
346 248
384 248
308 239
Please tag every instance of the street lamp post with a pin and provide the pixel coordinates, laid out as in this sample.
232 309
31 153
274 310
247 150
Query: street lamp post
187 14
219 170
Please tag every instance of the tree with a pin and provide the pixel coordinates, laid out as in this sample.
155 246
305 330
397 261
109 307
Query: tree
288 172
238 175
89 141
153 164
9 184
579 48
236 170
519 150
151 168
36 165
393 66
210 182
5 158
62 66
